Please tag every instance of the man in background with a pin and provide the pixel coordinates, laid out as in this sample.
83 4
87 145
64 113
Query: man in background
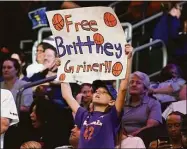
9 114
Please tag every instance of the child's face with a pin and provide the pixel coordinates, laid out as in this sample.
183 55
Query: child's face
101 97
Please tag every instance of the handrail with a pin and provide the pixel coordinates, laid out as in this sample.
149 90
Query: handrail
129 32
28 85
112 5
22 43
152 18
164 51
147 20
40 33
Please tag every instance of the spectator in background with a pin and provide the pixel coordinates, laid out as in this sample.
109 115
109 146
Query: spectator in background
11 71
84 98
39 66
9 114
171 82
169 24
173 125
20 57
51 124
141 111
168 29
50 68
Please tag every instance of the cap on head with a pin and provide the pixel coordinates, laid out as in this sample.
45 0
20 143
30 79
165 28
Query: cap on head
110 89
144 77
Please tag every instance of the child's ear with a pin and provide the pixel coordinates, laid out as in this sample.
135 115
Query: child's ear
111 103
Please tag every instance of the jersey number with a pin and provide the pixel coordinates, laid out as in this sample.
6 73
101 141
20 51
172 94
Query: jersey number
88 132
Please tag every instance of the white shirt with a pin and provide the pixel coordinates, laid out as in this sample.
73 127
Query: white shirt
34 68
8 110
179 106
132 142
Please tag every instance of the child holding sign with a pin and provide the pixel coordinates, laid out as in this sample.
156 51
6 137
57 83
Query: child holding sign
99 128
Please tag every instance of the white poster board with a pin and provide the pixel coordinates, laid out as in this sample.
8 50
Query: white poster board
90 43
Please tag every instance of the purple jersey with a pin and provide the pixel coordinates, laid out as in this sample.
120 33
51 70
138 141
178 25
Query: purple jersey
98 129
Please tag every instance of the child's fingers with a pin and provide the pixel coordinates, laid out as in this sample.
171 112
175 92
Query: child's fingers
127 44
57 62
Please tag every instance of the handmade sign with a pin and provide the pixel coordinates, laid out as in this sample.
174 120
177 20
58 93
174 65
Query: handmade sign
90 44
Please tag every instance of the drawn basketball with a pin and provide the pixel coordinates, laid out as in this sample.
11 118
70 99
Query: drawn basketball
62 77
58 22
117 69
98 38
110 19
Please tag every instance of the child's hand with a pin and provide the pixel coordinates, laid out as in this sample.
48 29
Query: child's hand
57 62
128 50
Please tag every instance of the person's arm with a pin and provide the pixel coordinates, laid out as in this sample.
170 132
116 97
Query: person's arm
154 118
69 5
120 101
67 95
150 123
38 76
26 100
4 124
170 89
164 90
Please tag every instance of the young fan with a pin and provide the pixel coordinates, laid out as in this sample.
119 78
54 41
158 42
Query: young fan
98 129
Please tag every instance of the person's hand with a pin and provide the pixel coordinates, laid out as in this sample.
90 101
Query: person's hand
164 145
160 145
79 97
150 91
54 66
57 62
128 50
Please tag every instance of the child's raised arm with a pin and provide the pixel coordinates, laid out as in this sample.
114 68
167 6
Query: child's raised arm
67 95
120 101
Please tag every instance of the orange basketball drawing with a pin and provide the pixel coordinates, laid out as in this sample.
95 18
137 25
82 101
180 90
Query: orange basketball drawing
98 38
58 22
110 19
117 69
62 77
